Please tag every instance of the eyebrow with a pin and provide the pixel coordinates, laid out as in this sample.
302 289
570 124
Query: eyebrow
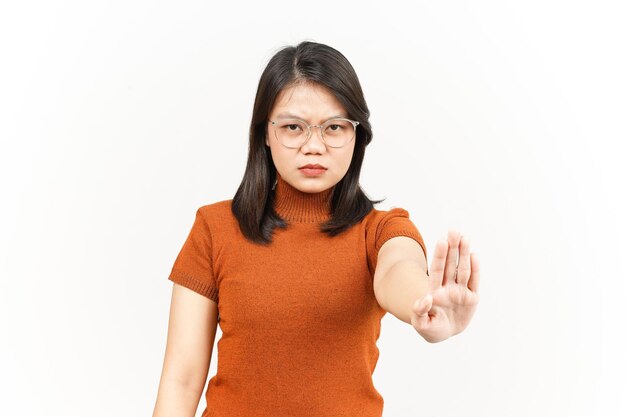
289 115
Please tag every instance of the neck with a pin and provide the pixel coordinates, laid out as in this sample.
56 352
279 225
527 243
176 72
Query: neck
297 206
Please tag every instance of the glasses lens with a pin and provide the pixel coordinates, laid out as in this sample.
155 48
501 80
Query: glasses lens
338 132
291 132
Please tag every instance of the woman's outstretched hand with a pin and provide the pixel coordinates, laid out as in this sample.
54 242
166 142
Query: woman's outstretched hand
450 303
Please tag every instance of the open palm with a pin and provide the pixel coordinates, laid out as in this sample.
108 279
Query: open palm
450 303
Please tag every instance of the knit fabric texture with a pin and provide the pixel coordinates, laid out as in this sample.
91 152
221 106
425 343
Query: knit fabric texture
299 318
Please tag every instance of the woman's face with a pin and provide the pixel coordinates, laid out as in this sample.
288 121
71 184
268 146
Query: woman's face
314 104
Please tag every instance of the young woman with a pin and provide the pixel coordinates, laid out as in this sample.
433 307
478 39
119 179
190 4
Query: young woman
298 268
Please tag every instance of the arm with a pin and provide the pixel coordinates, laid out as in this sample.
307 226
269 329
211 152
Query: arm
192 327
400 277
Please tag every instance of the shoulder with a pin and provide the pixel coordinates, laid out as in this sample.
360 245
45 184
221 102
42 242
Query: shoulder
381 225
214 214
218 217
216 208
377 218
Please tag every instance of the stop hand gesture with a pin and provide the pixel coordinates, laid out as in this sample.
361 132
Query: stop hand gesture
450 303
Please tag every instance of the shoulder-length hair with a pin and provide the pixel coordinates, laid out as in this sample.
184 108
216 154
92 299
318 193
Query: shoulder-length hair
314 62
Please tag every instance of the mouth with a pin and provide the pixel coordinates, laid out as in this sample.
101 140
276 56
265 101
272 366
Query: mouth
312 166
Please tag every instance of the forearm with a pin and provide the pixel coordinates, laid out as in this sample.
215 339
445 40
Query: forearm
401 286
176 399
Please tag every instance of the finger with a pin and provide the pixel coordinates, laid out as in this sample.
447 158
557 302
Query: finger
438 263
453 254
423 305
475 276
421 308
463 269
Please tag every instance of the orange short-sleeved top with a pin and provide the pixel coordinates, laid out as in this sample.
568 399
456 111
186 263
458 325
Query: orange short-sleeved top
299 318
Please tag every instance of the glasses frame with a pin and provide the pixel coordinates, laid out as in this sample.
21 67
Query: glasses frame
309 132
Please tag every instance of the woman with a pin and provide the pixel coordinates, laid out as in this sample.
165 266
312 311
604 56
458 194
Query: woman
299 267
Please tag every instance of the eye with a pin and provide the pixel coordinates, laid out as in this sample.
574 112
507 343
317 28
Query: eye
292 127
335 127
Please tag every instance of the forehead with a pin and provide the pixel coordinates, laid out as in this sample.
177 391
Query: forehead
308 101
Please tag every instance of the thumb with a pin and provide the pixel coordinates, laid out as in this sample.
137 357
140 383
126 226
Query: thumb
423 305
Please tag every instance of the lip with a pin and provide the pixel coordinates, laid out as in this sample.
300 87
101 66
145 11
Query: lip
312 172
313 166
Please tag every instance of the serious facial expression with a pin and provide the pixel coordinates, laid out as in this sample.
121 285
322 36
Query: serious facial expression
314 104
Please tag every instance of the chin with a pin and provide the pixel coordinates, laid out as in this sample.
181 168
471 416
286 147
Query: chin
312 185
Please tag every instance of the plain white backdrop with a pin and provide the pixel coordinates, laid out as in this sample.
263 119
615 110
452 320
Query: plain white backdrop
501 119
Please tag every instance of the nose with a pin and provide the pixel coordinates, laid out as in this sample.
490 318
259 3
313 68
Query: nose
315 141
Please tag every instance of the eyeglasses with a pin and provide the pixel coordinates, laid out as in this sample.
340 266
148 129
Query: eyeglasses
293 133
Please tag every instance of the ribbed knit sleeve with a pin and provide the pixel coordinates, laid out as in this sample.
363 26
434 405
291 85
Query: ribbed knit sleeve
193 267
388 224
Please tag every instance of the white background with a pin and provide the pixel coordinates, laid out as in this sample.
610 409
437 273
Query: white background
501 119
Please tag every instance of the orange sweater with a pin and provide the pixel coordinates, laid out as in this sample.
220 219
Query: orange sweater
299 318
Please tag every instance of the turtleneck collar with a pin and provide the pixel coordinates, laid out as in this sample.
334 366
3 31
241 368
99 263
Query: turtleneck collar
296 206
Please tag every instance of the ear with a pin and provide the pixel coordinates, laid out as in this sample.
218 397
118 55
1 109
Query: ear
267 141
